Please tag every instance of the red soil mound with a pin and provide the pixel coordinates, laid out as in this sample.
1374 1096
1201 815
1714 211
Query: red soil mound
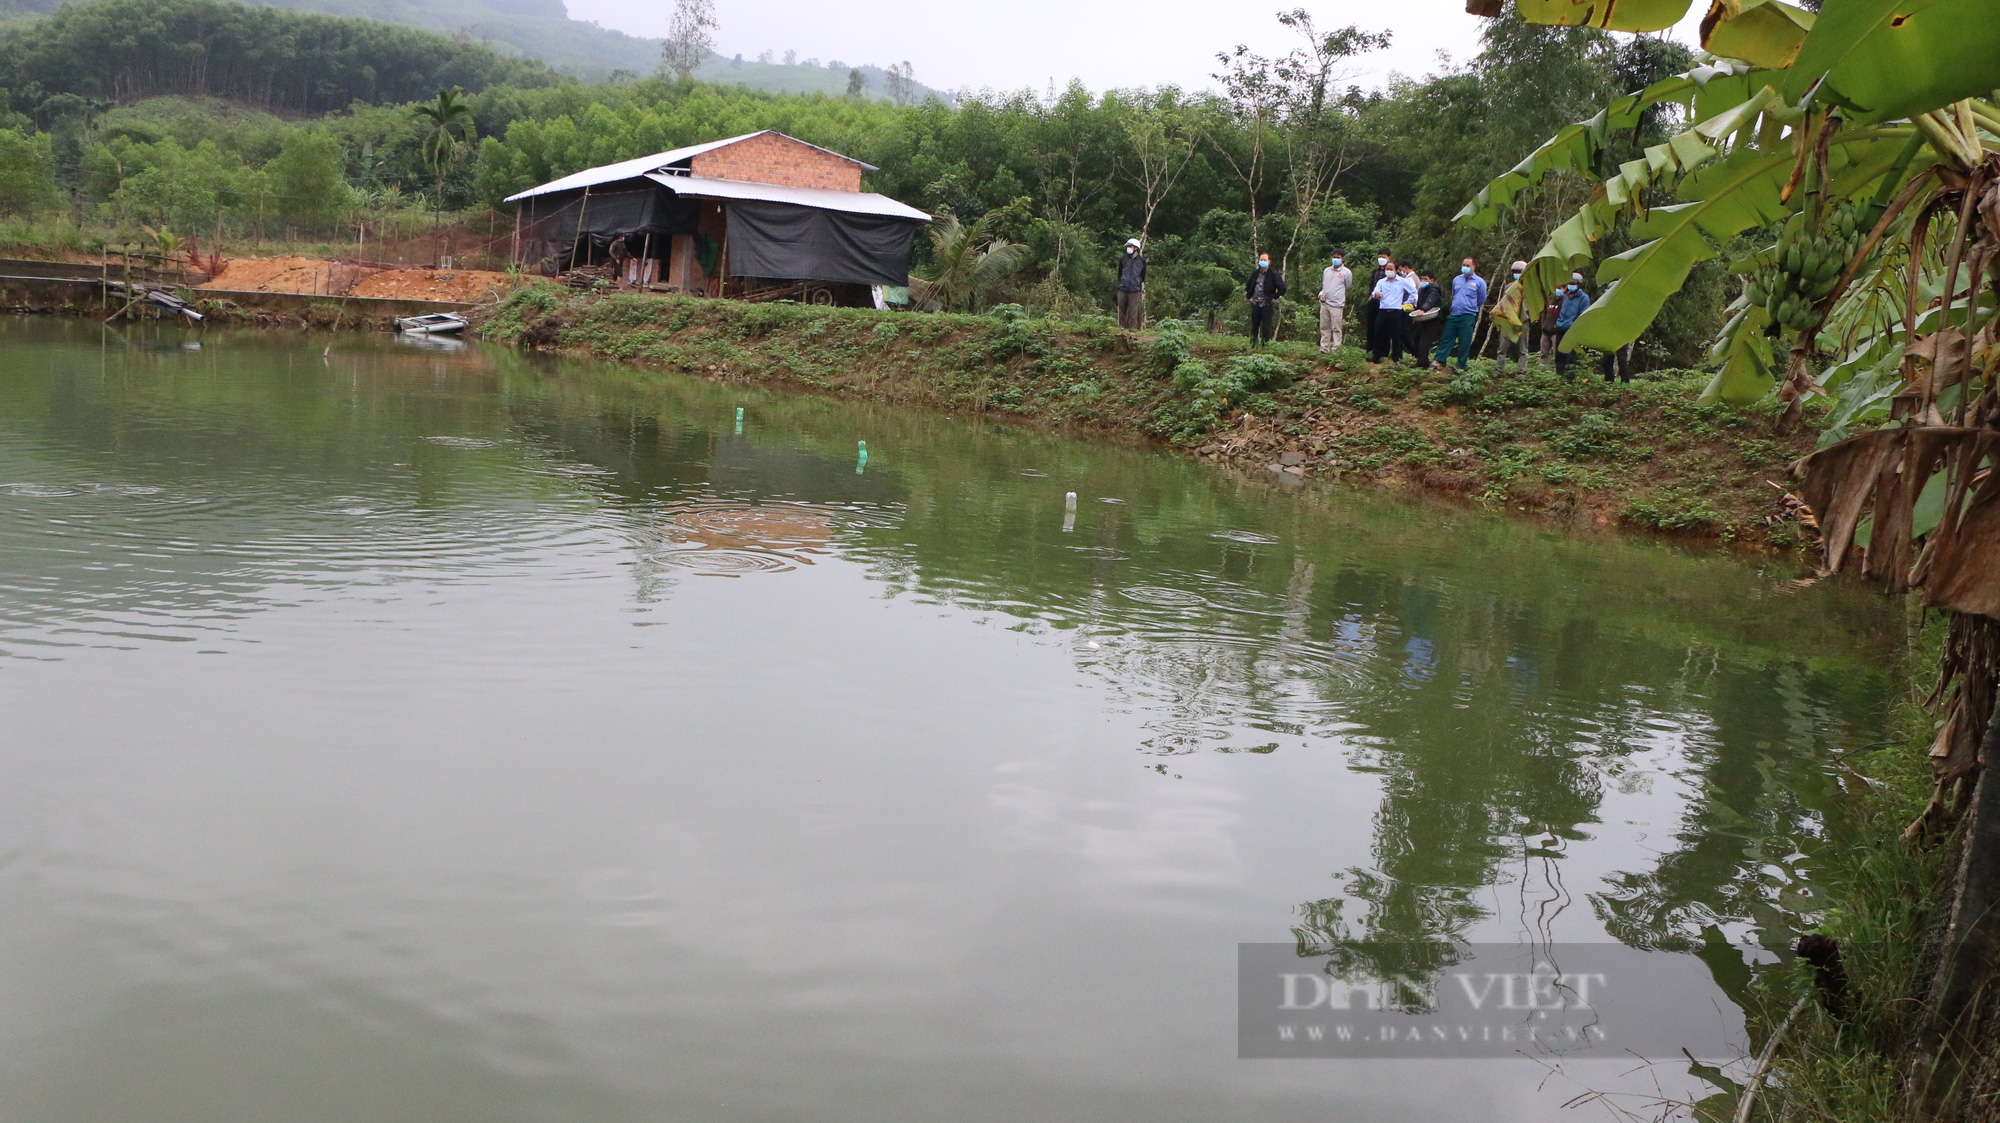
467 285
287 274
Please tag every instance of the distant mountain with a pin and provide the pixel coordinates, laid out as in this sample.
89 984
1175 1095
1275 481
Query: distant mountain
542 29
830 79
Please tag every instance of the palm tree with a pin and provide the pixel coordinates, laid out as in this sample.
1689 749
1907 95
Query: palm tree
450 121
967 263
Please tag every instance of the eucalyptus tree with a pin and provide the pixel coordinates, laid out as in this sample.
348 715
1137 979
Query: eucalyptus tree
1163 132
1861 147
1318 129
690 37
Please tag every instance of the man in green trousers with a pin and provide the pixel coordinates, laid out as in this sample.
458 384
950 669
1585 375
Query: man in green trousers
1468 296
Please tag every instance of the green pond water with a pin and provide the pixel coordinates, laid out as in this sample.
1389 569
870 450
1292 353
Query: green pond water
406 733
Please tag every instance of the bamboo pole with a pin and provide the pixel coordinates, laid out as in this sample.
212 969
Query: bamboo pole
582 208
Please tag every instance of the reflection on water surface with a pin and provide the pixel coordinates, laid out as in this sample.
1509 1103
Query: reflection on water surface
378 745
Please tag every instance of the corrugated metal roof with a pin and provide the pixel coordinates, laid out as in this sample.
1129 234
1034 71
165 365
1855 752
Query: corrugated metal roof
658 161
853 202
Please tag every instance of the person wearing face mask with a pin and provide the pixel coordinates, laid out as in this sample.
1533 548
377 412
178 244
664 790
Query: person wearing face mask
1393 296
1427 318
1507 317
1264 288
1368 307
1408 272
1333 283
1132 287
1468 296
1575 302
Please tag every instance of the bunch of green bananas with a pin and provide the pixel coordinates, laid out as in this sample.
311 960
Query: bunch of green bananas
1807 265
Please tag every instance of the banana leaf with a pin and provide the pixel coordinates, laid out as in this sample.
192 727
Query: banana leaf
1611 15
1575 147
1761 32
1748 371
1737 193
1886 59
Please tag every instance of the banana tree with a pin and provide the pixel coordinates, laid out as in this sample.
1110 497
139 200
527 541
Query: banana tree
1864 137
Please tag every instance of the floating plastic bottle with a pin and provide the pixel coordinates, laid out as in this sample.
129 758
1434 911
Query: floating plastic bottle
861 460
739 421
1069 512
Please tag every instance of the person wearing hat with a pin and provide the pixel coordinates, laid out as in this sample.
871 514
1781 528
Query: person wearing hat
1132 287
1507 316
1575 302
1334 281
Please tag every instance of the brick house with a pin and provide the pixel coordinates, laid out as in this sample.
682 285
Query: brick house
759 216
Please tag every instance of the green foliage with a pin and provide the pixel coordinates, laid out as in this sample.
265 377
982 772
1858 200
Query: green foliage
307 178
263 56
1206 391
164 184
27 182
1593 437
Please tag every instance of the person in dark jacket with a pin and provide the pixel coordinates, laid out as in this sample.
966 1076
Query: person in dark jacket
1575 302
1132 287
1263 289
1427 319
621 255
1383 264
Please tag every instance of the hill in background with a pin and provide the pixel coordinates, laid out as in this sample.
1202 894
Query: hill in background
542 30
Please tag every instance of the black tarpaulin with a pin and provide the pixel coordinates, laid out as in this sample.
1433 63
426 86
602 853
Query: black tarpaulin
784 240
600 217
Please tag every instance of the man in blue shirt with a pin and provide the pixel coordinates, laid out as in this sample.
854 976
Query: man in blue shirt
1468 296
1575 302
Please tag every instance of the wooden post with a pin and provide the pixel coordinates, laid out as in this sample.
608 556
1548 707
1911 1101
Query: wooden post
514 254
582 208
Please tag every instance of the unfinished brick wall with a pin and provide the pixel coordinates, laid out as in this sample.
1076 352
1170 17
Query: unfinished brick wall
770 158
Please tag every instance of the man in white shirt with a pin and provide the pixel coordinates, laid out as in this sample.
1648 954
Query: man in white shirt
1394 297
1333 284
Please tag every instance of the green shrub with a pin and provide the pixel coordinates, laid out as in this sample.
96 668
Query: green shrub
1594 436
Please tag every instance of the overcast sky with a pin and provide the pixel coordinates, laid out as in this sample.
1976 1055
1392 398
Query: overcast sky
1027 42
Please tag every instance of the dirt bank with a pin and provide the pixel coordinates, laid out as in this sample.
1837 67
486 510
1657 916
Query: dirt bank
471 286
286 274
316 277
1643 455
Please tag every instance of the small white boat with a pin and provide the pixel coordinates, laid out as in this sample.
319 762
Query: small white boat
437 323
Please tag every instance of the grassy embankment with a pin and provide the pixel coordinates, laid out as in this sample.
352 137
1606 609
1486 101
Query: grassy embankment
1643 456
1882 897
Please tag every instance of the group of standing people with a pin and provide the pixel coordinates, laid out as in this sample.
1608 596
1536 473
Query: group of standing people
1406 312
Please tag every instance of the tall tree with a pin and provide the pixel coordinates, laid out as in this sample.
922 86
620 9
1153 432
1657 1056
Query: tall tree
902 82
1163 129
690 37
1256 101
448 123
1318 137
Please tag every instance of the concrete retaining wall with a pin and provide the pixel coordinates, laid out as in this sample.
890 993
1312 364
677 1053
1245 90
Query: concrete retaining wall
83 297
